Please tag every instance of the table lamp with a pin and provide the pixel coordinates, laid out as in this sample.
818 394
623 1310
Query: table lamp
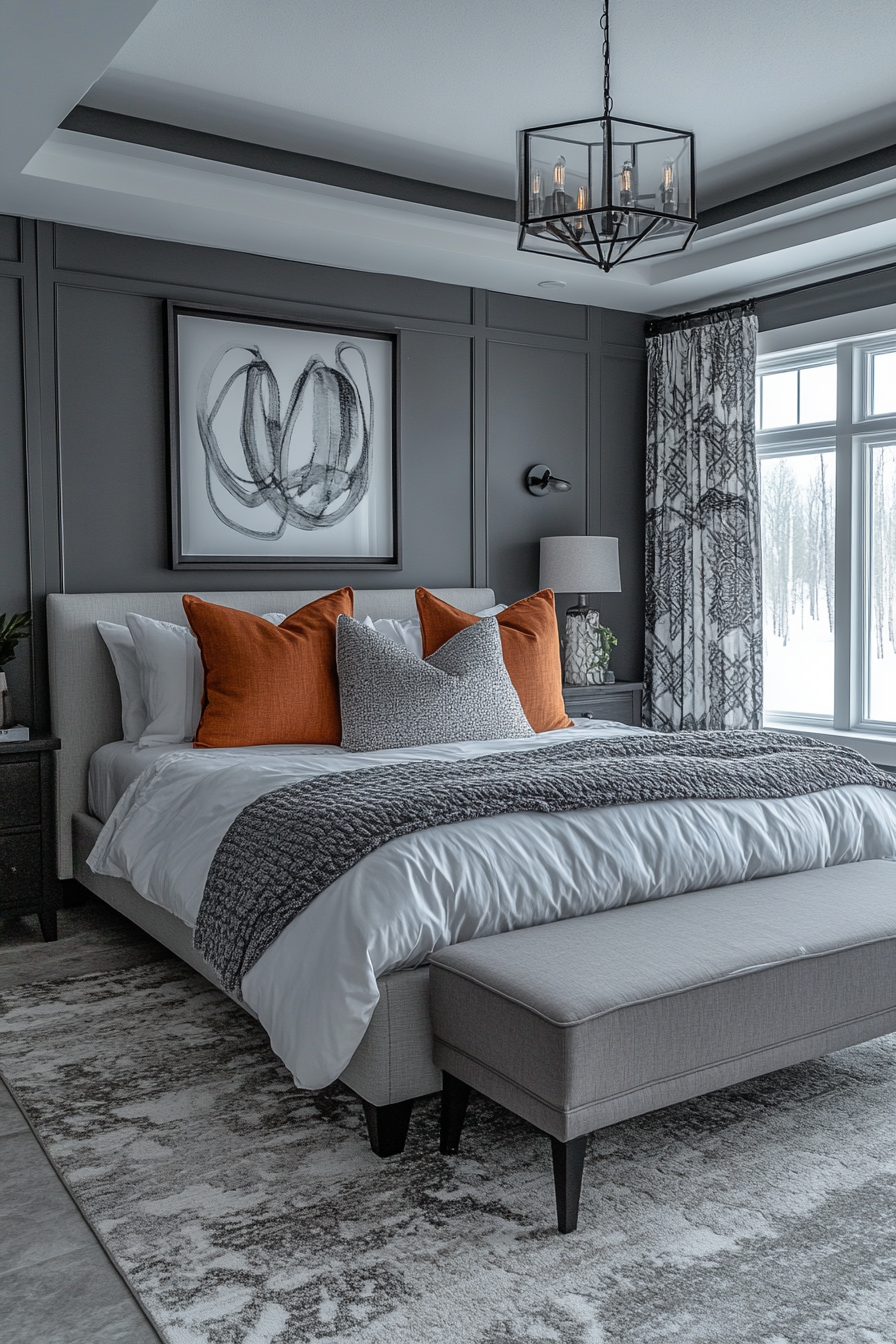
581 565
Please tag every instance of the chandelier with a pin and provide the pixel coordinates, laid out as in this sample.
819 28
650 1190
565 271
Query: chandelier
606 190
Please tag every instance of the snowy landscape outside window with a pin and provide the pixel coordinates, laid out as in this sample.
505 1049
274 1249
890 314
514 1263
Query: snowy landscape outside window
881 585
797 513
826 439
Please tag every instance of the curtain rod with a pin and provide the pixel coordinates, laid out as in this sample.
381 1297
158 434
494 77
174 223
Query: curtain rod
681 321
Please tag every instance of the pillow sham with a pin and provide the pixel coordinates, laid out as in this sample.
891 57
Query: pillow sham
531 647
267 683
407 632
170 679
119 642
391 698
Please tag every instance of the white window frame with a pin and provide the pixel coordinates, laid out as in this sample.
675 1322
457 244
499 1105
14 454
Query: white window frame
864 446
864 390
787 363
852 434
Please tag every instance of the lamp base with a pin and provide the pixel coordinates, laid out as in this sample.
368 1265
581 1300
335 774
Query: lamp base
583 647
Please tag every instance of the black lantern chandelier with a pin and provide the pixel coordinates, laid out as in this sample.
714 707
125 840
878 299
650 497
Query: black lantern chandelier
606 190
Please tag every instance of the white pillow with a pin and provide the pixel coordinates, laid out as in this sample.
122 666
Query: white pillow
407 632
170 679
134 715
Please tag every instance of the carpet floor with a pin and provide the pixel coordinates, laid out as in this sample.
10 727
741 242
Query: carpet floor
242 1211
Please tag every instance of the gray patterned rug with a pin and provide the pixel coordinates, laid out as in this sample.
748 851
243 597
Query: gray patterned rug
242 1211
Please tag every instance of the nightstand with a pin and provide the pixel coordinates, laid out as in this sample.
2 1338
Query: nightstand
620 701
28 881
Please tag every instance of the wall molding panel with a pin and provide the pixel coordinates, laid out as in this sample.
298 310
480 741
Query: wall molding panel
489 384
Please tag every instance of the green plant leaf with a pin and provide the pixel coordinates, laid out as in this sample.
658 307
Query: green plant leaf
12 631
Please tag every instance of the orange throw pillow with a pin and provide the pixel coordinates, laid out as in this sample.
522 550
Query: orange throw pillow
268 683
531 650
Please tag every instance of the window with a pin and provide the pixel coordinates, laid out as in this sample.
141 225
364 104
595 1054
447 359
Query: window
826 439
804 396
797 511
881 582
882 383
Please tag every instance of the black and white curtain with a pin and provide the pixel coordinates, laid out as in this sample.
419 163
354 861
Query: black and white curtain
703 665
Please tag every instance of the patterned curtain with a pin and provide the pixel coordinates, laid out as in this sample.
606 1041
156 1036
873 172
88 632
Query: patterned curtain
703 664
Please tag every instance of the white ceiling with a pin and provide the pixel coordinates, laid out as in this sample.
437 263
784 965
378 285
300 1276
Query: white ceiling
436 89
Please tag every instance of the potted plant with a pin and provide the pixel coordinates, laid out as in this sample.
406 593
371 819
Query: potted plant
608 642
13 630
604 643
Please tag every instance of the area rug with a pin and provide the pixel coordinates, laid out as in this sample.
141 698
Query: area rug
242 1211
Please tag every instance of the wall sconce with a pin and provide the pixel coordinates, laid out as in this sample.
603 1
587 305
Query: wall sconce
539 481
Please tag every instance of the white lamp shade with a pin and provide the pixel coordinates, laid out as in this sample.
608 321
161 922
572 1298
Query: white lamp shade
580 564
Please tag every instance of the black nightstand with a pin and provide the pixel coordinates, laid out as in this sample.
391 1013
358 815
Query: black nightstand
28 881
620 701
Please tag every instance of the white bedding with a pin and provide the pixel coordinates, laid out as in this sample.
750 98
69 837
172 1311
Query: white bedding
114 767
315 987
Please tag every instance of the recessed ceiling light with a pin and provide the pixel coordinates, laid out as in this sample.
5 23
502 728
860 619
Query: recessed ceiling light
552 284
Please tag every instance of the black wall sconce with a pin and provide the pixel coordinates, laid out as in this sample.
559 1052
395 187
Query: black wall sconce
539 481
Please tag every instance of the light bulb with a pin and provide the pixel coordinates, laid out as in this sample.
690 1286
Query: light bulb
628 194
578 224
667 189
537 199
559 199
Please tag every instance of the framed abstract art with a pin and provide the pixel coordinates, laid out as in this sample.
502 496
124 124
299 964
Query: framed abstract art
284 443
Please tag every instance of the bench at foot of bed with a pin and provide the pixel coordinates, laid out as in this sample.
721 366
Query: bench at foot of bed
583 1023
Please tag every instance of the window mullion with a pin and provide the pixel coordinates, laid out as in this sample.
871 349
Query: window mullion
845 640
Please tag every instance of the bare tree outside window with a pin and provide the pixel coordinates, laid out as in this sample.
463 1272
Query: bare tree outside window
882 594
798 581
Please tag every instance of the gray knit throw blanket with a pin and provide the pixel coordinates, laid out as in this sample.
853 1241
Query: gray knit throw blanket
289 845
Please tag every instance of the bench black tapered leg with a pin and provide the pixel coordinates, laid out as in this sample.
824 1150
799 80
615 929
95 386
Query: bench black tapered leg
455 1096
387 1126
569 1161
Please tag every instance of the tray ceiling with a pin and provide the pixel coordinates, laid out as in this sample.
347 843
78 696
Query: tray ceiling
772 88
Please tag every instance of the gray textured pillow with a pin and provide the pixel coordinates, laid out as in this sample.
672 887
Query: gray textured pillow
392 698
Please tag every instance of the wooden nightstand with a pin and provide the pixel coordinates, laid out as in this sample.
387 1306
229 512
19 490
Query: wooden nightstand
28 881
620 701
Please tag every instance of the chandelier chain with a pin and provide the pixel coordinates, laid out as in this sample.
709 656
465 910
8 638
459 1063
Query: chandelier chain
605 25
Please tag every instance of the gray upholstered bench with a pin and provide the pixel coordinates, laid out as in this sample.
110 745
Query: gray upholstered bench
583 1023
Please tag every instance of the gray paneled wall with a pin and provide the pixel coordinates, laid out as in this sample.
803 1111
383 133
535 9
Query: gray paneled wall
14 567
490 384
537 412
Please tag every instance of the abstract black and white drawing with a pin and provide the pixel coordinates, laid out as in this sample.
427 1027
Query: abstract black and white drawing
284 443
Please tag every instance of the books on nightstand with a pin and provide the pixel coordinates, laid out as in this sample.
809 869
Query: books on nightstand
18 733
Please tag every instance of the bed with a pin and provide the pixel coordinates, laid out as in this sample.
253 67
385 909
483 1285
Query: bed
359 1010
393 1063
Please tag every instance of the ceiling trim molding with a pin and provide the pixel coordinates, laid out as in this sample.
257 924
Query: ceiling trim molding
283 162
849 170
352 177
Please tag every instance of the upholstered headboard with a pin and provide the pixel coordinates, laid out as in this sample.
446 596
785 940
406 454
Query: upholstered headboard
85 704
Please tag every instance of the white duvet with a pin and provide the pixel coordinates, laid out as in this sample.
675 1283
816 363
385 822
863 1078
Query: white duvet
315 988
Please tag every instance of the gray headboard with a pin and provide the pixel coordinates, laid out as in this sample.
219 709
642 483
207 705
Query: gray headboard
85 704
